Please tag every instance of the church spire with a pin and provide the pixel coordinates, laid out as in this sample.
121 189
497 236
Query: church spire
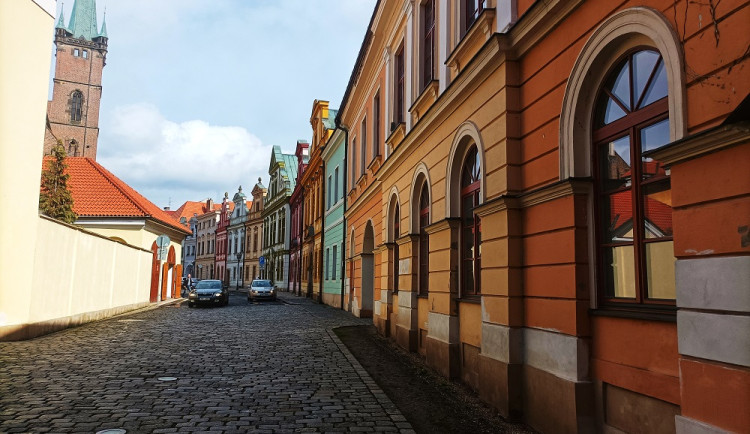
83 20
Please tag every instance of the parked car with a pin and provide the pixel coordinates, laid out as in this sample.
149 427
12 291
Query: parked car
208 292
261 290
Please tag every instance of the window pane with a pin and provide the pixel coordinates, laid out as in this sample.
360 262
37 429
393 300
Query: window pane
467 210
643 65
620 87
657 210
619 271
615 164
467 286
612 111
660 270
655 136
617 217
658 88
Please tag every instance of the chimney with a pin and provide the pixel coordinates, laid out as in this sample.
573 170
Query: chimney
166 208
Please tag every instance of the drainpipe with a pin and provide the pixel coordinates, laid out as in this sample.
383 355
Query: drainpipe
346 194
301 207
321 199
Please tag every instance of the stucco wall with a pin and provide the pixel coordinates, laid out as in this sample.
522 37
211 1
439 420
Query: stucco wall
77 277
24 80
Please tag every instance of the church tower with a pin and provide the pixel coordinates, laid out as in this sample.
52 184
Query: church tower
81 53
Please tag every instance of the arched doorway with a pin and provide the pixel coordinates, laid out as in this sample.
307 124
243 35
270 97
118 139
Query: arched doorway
167 287
154 293
368 272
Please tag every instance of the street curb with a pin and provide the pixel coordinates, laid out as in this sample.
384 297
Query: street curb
389 407
147 308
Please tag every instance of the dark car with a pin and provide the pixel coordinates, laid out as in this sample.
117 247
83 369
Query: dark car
261 290
208 292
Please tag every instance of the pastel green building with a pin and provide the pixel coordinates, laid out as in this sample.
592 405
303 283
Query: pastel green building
334 156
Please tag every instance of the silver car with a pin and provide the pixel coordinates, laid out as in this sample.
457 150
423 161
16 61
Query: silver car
261 290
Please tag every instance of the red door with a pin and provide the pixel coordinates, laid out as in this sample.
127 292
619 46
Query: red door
154 273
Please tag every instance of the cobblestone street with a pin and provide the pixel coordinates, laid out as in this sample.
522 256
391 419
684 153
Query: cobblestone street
269 367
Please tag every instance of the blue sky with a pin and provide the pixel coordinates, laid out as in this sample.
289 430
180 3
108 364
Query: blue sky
195 92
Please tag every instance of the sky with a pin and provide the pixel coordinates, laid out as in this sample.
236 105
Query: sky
196 92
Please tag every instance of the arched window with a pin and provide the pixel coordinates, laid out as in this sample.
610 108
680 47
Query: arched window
76 106
424 241
396 235
471 234
634 203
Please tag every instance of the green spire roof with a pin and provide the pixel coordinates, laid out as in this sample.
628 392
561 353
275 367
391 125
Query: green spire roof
61 21
103 32
83 20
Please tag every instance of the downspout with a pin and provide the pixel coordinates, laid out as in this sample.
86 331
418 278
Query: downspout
321 199
301 236
346 195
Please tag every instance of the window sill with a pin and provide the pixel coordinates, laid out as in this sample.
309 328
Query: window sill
396 136
424 101
473 299
362 180
376 162
648 313
479 33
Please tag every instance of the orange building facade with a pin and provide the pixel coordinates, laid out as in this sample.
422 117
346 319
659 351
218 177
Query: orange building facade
549 201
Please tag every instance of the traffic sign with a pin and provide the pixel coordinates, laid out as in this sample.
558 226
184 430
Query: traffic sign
262 262
162 241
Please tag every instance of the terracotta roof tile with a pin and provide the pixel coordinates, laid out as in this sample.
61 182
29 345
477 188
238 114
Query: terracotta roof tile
98 193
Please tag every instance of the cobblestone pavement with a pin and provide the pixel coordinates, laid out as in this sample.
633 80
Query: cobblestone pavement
268 367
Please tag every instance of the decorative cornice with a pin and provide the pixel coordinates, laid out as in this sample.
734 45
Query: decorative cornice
406 239
705 142
441 225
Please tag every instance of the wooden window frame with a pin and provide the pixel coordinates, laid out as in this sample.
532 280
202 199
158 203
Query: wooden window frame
473 191
428 42
399 91
424 243
396 233
376 126
629 125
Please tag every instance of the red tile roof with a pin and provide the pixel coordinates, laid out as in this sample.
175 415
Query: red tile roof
187 210
98 193
658 213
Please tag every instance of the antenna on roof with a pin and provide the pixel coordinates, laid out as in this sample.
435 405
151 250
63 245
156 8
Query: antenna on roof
169 202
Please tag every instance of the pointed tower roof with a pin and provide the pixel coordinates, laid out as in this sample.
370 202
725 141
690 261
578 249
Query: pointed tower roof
61 21
83 20
103 32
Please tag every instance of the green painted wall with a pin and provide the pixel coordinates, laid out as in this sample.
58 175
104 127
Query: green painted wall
334 213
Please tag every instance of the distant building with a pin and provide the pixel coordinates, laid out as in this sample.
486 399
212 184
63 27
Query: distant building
80 56
296 229
108 206
236 240
206 224
283 172
334 158
187 215
254 233
220 255
313 183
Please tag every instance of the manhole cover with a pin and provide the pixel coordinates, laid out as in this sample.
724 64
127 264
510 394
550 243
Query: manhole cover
112 431
167 378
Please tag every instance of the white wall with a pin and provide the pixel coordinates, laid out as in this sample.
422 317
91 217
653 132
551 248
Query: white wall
24 80
78 277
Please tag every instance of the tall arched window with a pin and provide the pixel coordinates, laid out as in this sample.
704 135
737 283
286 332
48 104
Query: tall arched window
634 202
76 106
471 228
424 241
396 235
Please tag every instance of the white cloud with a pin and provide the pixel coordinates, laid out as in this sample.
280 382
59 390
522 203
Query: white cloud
189 160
